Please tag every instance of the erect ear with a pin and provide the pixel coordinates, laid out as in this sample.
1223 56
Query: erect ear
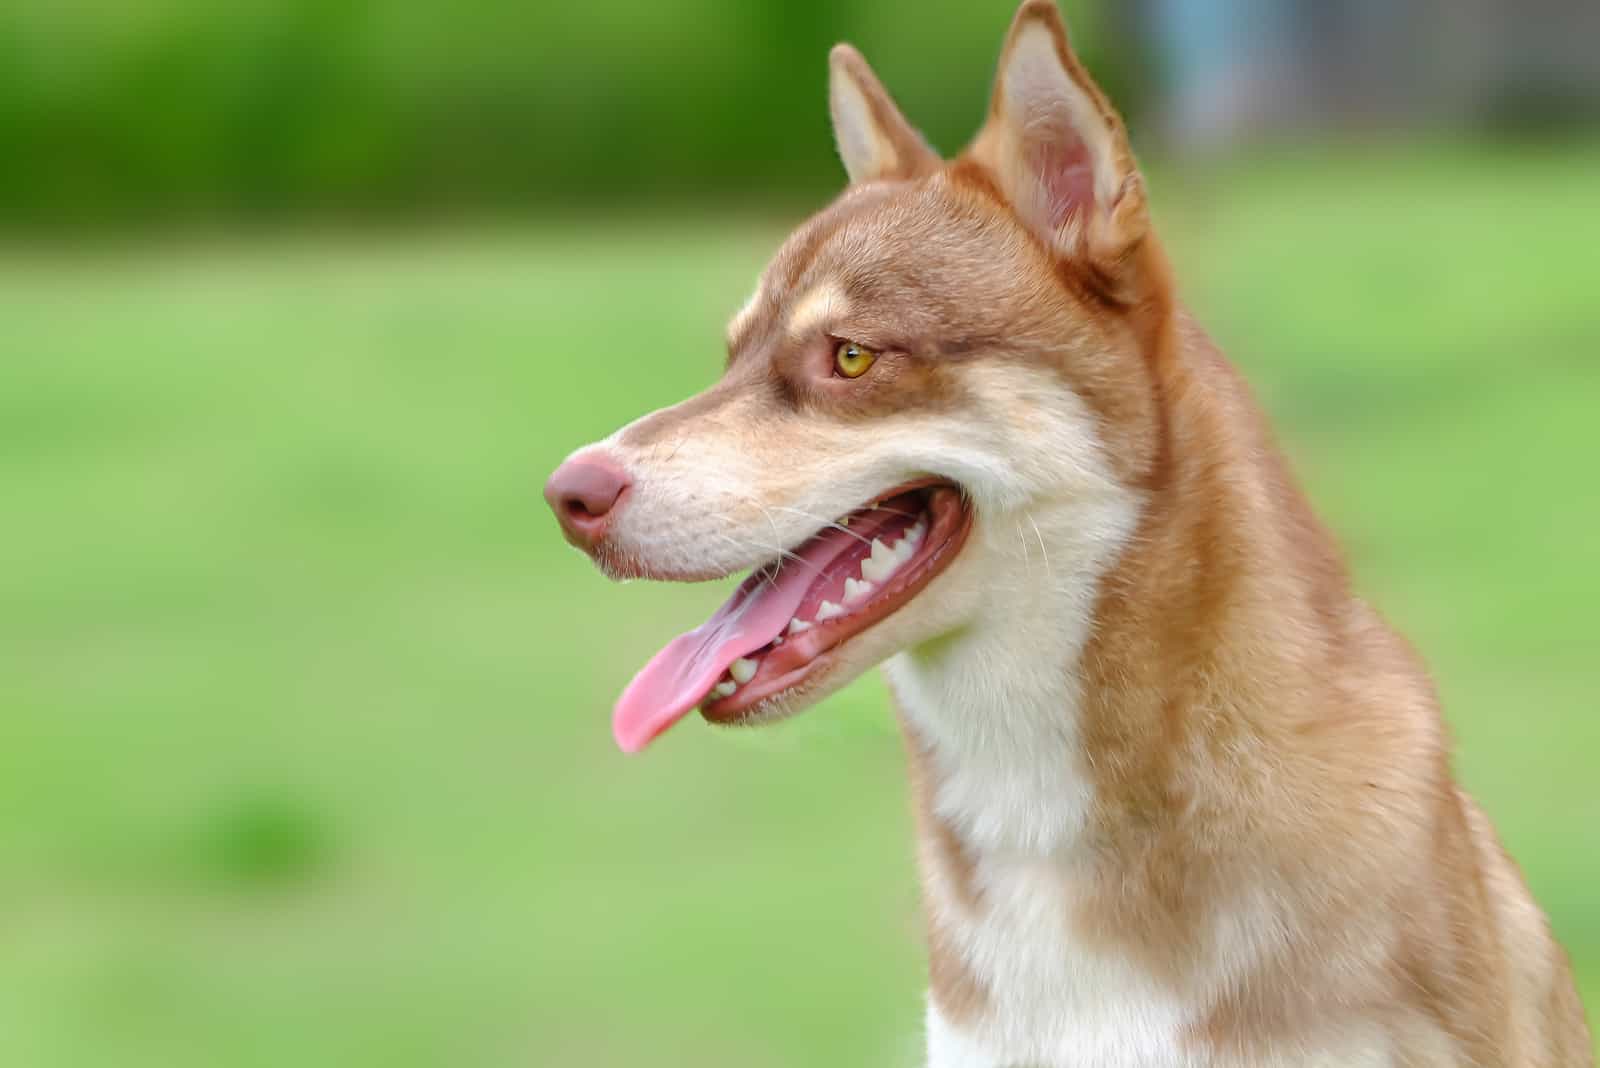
875 141
1058 149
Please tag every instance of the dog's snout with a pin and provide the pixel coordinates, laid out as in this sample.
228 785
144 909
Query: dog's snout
585 493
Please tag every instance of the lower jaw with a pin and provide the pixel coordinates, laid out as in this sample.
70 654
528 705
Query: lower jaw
765 702
805 660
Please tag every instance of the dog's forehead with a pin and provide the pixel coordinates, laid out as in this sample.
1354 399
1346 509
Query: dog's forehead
907 250
855 222
870 230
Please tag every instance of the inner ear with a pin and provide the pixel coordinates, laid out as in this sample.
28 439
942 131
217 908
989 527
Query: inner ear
1067 179
1056 119
1058 150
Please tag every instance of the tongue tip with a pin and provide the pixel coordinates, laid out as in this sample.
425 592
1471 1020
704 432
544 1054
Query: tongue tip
634 732
628 739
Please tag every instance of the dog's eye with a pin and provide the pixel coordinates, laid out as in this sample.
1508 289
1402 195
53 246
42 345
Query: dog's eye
851 360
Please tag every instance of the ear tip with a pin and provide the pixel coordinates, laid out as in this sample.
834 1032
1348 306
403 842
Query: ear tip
1034 9
1039 11
845 57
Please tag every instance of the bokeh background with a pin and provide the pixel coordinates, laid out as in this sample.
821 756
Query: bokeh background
304 755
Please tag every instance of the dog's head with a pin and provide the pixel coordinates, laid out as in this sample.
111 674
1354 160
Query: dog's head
948 360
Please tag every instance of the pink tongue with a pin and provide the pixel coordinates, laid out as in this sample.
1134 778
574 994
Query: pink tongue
678 677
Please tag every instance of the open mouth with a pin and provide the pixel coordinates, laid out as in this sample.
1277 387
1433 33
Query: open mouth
782 625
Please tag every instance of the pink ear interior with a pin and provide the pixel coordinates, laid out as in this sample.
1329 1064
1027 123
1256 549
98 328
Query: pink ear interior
1066 174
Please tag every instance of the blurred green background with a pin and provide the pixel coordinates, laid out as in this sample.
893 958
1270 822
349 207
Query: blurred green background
305 754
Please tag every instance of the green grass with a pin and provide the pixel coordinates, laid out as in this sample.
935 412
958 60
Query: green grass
305 758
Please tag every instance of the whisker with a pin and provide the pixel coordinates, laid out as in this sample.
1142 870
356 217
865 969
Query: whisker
767 569
767 514
794 558
823 524
1042 550
763 570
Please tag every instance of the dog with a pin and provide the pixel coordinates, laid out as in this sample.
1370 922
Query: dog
1182 797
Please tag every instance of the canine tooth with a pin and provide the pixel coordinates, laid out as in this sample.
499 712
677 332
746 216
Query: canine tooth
796 625
742 670
723 689
828 610
777 641
855 591
876 571
914 535
882 563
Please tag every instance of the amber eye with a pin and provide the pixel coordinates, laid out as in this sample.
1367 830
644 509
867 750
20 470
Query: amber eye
852 360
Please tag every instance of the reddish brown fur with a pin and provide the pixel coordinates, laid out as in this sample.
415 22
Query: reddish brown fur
1247 716
1253 730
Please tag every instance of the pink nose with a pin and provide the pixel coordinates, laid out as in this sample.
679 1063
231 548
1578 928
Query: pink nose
584 493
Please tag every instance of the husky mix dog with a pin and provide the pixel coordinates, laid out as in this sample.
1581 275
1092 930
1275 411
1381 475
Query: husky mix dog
1183 798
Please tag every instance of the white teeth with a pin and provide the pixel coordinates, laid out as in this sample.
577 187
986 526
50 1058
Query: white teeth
797 625
828 610
742 670
885 561
881 564
855 591
723 689
778 640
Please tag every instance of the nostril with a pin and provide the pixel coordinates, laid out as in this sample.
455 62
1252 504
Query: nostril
593 500
580 510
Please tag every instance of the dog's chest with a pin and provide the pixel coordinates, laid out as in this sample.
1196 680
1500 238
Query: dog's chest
1018 801
994 713
995 716
1049 1001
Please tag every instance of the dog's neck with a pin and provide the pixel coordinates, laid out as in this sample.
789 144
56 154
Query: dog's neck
1051 740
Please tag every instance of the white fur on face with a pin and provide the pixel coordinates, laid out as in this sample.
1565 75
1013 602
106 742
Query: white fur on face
819 307
734 486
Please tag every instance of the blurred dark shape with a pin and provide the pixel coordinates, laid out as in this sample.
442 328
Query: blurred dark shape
262 839
1235 71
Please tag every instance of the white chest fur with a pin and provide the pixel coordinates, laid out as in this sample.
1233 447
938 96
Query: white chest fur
1050 1003
1015 798
995 708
